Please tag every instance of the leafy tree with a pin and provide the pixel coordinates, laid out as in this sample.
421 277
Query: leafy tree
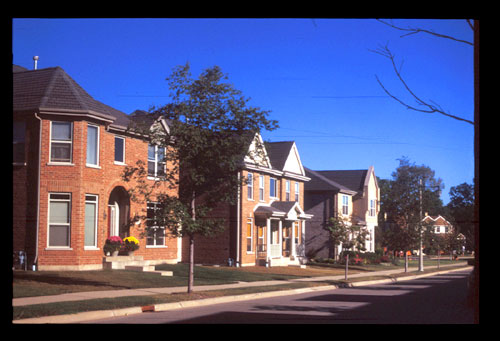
210 126
350 236
461 211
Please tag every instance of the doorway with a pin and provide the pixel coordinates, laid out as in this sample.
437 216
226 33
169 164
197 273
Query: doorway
118 213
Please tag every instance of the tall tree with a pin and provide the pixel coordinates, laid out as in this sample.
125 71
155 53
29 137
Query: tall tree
461 211
210 126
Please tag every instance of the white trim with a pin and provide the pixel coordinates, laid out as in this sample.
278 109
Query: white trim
70 162
114 151
68 247
97 151
96 221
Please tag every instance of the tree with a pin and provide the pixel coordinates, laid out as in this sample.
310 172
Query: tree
345 234
210 126
461 211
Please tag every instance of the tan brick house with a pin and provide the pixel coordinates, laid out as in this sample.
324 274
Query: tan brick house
267 225
69 152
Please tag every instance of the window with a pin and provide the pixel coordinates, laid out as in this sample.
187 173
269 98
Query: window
61 141
155 233
272 187
261 247
296 191
59 220
345 205
261 187
91 220
372 208
249 235
18 142
119 149
287 190
156 161
296 225
92 145
250 186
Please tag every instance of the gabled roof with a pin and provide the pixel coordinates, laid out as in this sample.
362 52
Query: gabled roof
53 90
439 220
287 209
278 153
321 183
352 179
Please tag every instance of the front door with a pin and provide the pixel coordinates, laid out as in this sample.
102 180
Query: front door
113 219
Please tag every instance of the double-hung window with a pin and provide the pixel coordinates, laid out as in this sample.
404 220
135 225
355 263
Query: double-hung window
91 221
92 145
372 208
345 205
296 191
61 142
119 150
249 235
156 161
250 186
155 232
261 187
287 190
272 187
59 220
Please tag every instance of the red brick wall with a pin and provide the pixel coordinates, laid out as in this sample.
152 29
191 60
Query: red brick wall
78 179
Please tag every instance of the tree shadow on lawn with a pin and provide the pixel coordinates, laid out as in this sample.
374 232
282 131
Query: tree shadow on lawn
56 279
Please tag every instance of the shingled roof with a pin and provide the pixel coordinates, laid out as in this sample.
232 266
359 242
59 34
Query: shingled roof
278 153
321 183
52 89
352 179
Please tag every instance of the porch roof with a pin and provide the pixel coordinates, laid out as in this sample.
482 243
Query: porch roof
283 209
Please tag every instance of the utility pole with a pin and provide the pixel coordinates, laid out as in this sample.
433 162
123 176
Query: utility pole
420 253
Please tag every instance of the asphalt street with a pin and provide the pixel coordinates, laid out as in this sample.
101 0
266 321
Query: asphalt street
439 299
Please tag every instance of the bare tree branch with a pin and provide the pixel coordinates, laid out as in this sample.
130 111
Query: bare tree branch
418 30
431 108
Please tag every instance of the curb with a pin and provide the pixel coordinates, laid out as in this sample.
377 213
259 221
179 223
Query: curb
101 314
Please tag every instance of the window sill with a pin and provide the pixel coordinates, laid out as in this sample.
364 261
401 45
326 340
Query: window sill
91 248
119 163
92 166
60 163
156 246
61 248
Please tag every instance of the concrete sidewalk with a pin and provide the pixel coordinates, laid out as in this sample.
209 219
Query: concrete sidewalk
89 295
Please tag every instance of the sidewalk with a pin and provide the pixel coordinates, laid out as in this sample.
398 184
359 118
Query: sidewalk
89 295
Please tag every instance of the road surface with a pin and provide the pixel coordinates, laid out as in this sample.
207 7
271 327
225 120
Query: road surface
436 299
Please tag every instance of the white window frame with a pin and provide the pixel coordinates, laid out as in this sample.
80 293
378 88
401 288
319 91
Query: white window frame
123 156
155 245
50 200
95 201
345 205
70 142
250 186
372 208
273 187
262 188
156 162
297 191
96 165
287 190
250 237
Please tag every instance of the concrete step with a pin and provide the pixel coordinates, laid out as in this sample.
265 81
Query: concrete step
145 268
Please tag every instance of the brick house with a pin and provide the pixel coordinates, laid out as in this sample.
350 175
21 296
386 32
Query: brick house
352 195
69 152
267 225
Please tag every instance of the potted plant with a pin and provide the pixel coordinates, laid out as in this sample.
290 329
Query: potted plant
130 245
113 245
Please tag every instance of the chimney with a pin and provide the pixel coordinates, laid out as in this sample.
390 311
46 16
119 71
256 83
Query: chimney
35 59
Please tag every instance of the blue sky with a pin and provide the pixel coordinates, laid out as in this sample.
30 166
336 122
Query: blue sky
316 76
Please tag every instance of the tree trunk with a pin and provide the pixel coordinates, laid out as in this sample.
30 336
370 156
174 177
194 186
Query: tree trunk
191 264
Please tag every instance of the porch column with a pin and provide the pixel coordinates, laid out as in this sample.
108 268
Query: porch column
268 240
292 243
280 236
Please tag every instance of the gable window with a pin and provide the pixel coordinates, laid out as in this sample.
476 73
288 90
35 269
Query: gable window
372 208
261 187
18 142
250 186
92 145
59 220
155 232
249 235
345 205
272 187
91 221
156 161
61 141
296 191
287 190
119 150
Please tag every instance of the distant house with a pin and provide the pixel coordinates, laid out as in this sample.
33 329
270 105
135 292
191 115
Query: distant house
440 224
353 195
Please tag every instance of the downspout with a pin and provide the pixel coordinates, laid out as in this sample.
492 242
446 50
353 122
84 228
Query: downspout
238 222
38 191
